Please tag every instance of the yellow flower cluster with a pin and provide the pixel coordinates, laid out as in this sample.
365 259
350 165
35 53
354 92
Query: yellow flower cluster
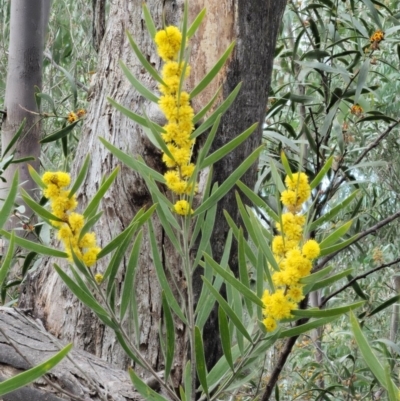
294 260
175 105
356 109
69 230
377 36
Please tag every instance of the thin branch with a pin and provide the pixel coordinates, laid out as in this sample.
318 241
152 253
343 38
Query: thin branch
359 277
362 234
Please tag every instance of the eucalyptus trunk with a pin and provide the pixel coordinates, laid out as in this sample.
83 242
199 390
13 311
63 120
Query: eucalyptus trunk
254 25
28 23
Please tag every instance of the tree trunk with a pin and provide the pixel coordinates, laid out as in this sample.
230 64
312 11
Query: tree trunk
28 22
254 24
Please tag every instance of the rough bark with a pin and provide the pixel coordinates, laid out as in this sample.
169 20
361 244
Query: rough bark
98 22
254 24
82 375
27 31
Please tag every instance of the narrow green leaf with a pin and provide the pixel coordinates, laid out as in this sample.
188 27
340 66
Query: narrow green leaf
160 142
135 165
113 244
33 246
362 79
227 309
213 72
327 281
329 118
116 260
130 275
94 203
243 273
229 147
29 258
149 21
33 374
316 313
60 133
128 113
393 391
184 34
336 235
374 14
138 85
286 166
339 246
165 286
235 230
220 110
229 182
206 303
261 267
225 336
72 82
276 177
192 30
304 328
333 212
229 278
5 266
41 211
81 176
83 296
210 138
36 177
89 224
8 205
384 305
257 200
149 68
312 278
147 393
200 360
320 176
187 378
357 289
207 107
14 138
368 354
170 337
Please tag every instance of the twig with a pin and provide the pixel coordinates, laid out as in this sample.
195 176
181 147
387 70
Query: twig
362 234
359 277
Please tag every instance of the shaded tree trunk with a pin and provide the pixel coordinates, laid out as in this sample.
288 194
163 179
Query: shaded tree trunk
254 24
28 22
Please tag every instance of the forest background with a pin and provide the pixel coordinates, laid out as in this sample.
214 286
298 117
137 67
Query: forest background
332 101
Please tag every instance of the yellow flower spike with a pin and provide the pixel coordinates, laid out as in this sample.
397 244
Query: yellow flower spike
183 208
88 241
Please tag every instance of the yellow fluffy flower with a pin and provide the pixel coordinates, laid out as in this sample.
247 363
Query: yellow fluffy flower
183 208
99 278
168 42
90 256
311 249
295 293
270 324
76 221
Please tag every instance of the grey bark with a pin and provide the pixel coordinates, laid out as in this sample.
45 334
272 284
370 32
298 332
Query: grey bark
82 375
27 31
254 23
98 22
